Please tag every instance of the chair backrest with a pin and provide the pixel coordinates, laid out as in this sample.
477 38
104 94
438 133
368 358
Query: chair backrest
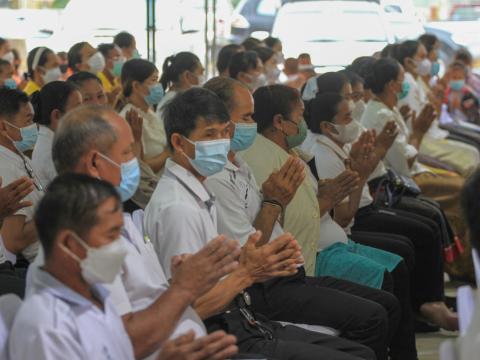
466 307
137 217
448 350
476 265
9 305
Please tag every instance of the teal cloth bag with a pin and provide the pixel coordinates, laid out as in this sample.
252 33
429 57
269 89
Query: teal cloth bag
355 262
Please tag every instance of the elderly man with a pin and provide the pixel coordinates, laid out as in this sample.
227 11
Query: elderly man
152 310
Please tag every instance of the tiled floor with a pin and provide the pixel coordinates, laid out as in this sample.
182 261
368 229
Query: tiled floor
428 344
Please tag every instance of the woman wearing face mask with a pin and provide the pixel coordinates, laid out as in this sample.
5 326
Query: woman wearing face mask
463 158
180 72
385 80
331 122
270 66
276 45
114 60
6 51
246 67
395 231
43 68
84 57
142 91
50 104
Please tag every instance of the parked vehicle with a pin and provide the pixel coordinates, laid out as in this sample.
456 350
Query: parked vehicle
334 33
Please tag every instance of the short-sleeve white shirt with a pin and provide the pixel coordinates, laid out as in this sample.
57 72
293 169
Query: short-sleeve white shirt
238 201
181 216
42 161
55 322
13 167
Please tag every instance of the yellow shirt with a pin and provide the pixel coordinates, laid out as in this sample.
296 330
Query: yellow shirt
31 87
302 215
107 85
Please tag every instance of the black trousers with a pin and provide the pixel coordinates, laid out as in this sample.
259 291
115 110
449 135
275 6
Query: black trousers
361 314
427 280
10 281
288 342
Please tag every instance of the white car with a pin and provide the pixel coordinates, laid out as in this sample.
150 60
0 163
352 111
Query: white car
334 33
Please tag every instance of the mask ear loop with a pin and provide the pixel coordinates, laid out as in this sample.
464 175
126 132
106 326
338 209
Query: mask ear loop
70 252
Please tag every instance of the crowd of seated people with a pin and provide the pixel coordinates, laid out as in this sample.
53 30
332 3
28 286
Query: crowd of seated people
267 212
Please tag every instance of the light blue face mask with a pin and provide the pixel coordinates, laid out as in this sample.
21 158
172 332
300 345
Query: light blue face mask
243 137
457 85
135 54
9 84
130 177
117 67
435 69
155 94
405 90
210 156
29 137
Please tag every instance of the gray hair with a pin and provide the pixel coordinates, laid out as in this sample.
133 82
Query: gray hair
81 130
224 88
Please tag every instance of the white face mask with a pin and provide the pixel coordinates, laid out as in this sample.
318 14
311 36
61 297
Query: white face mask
96 63
9 57
257 81
102 264
424 67
358 110
52 75
346 133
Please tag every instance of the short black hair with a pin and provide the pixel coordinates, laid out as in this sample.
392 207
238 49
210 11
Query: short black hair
381 73
75 55
264 53
79 78
184 110
42 59
331 82
250 43
324 107
242 62
123 39
225 55
10 102
464 55
135 70
407 49
53 95
273 100
429 41
176 65
71 202
470 201
105 49
271 41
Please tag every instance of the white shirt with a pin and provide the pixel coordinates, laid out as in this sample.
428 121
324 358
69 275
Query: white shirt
140 282
166 99
181 216
55 322
330 232
238 201
12 167
376 115
154 139
42 156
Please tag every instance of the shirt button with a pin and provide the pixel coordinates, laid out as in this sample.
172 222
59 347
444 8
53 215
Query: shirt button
315 215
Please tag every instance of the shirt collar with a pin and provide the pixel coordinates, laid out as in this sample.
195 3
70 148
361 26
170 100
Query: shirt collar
189 181
46 282
230 166
326 140
46 131
10 154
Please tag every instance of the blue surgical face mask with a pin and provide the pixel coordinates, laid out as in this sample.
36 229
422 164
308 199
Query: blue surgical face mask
435 69
155 94
405 89
117 67
130 177
29 137
243 137
457 85
9 84
135 54
210 156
